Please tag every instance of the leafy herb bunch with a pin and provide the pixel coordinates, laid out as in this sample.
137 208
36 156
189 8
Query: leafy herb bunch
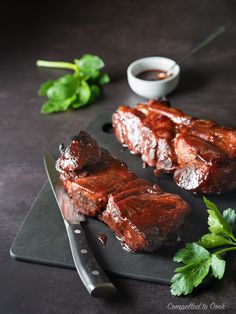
73 90
204 258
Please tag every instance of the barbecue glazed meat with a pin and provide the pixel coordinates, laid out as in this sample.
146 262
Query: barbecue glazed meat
140 214
145 218
200 154
204 165
75 156
92 174
147 134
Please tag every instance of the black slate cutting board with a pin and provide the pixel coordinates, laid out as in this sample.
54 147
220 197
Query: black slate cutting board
42 237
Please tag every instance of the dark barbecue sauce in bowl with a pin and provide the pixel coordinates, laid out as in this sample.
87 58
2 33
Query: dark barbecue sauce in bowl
152 75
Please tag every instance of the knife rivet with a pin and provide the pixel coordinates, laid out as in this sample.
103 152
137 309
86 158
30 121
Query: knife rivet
77 231
83 251
95 272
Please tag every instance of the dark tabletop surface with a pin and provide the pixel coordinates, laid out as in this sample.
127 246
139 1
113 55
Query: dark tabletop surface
119 32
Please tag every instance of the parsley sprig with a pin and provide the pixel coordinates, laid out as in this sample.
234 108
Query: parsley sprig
204 257
73 90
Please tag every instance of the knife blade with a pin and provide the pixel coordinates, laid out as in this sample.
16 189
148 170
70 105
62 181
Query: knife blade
90 272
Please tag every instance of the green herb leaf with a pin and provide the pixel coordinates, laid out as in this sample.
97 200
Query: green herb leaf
48 107
229 215
88 61
217 223
211 240
77 90
190 253
61 91
89 66
57 106
104 79
67 80
95 92
67 102
218 266
44 87
76 104
84 93
189 276
197 259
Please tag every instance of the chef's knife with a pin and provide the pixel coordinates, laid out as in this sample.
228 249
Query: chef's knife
91 274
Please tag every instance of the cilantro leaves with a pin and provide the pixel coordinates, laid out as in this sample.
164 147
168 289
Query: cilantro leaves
190 276
73 91
191 253
230 216
198 261
216 221
218 266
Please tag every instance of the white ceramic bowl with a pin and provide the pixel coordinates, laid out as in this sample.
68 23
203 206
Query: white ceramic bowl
152 89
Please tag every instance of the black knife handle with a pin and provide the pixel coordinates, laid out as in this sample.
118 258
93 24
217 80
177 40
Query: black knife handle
91 274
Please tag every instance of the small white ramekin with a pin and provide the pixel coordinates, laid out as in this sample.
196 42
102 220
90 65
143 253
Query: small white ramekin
152 89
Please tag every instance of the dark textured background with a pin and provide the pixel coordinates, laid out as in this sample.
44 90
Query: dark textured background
119 32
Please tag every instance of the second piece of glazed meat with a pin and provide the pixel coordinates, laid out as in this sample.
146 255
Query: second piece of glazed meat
141 214
146 219
200 153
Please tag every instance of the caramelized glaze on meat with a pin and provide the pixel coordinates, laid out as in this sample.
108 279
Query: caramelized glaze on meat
93 177
141 214
147 134
200 153
75 156
145 220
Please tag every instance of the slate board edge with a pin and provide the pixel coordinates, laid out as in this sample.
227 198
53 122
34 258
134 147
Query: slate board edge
19 257
16 255
13 253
